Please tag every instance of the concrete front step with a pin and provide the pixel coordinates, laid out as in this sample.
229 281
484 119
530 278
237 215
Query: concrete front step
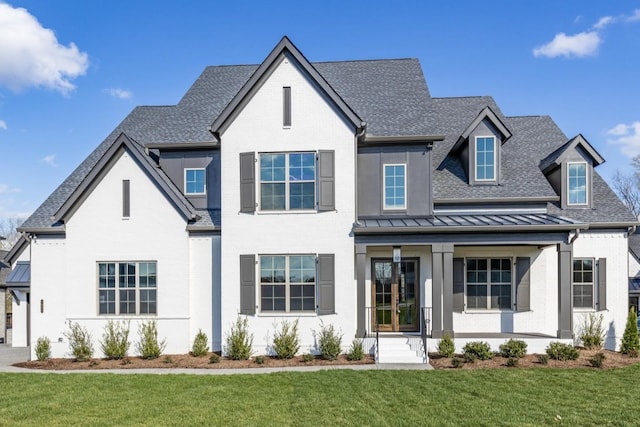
400 350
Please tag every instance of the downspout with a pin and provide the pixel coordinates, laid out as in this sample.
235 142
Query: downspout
363 129
631 230
575 236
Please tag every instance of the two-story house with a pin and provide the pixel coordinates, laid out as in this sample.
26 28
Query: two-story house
332 193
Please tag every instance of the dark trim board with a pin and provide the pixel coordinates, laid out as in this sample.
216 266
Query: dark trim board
464 239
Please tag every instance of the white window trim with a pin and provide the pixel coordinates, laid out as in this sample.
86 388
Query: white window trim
185 181
586 184
593 284
117 289
488 308
287 285
495 159
287 182
384 187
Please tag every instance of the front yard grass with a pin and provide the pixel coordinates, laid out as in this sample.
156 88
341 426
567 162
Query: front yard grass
337 397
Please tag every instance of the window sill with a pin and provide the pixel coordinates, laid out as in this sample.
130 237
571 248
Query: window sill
584 310
489 311
287 314
195 194
290 212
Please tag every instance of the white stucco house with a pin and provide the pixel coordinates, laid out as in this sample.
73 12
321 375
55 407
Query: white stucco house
333 192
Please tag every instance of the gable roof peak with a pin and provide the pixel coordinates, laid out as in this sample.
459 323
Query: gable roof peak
554 159
486 113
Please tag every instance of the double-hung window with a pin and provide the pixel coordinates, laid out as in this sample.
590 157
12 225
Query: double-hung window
195 181
127 288
485 158
287 283
287 181
583 283
489 283
395 186
577 183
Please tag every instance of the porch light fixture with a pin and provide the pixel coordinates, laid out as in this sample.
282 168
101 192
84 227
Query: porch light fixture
397 254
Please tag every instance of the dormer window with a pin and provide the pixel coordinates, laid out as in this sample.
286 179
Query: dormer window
577 183
195 182
485 158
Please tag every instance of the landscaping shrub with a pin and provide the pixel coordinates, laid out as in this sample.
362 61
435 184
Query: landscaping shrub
446 347
559 351
356 351
260 360
308 357
543 359
214 358
200 346
630 342
597 360
513 349
80 342
456 362
239 340
43 349
513 362
592 333
329 342
115 339
469 357
286 341
149 347
481 350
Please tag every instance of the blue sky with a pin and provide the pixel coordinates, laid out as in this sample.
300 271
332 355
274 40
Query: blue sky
71 70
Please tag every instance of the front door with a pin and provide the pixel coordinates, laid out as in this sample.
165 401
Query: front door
395 295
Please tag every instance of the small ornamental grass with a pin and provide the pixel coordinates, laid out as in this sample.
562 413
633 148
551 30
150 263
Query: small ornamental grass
330 342
149 347
115 340
308 357
597 361
80 342
43 349
592 332
286 341
543 359
560 351
239 340
456 362
356 351
630 341
477 350
446 347
513 349
214 358
200 346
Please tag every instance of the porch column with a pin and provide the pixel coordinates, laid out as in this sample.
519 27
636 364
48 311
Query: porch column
361 309
447 295
442 288
565 292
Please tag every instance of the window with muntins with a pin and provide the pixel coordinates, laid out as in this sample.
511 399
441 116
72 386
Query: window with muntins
127 288
195 181
489 283
395 186
583 283
287 283
485 158
577 183
287 181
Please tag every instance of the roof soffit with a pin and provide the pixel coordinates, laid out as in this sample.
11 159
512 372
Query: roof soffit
244 95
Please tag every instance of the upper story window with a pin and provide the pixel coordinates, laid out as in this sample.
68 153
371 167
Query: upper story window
195 181
395 186
127 288
583 283
577 183
287 283
287 181
489 284
485 158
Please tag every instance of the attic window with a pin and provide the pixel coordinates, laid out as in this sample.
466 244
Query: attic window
577 183
485 158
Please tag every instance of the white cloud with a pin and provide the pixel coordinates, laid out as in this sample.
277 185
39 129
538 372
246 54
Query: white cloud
5 189
119 93
627 137
603 22
635 16
31 56
578 45
3 125
50 160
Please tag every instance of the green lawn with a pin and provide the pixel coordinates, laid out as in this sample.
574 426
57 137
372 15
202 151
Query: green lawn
340 397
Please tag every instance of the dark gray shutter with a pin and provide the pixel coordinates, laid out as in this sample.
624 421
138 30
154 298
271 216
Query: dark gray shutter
247 284
602 284
458 285
247 183
286 106
326 284
126 199
523 284
326 180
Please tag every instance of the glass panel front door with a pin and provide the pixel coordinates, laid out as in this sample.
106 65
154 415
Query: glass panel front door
395 295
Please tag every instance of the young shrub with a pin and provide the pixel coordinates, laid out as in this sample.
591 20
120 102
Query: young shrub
356 351
330 342
149 347
214 358
259 360
512 362
543 359
592 333
115 340
630 342
481 350
286 341
513 349
308 357
200 346
80 342
559 351
43 349
469 357
456 362
446 347
239 340
597 361
168 360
